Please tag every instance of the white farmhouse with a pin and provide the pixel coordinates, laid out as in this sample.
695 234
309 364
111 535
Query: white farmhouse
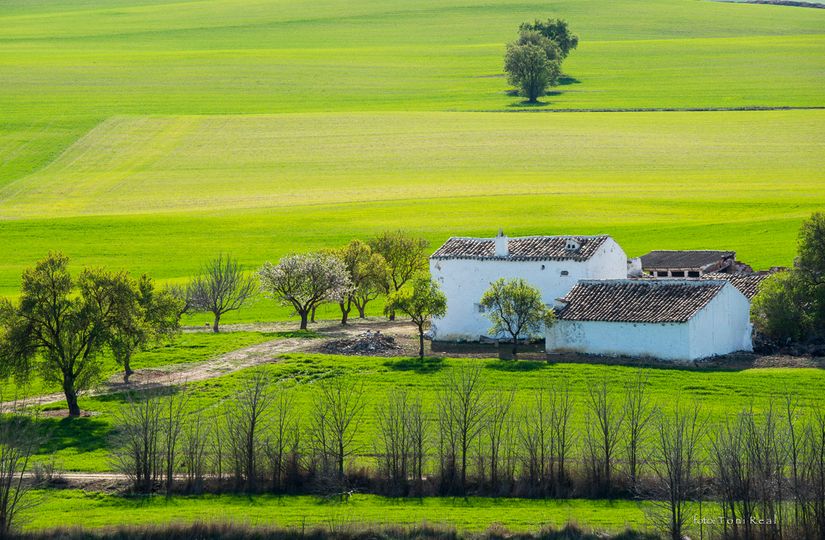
665 319
465 268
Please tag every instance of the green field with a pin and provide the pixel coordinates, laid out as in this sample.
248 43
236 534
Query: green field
82 444
69 508
150 135
153 134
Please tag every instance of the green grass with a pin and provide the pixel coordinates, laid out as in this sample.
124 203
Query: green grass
67 508
81 444
187 347
123 195
136 129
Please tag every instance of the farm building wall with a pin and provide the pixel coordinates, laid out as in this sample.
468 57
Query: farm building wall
666 341
465 280
723 326
720 327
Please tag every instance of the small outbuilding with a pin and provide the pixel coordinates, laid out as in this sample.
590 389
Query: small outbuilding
664 319
682 264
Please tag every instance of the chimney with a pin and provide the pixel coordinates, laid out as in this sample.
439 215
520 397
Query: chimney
572 244
502 249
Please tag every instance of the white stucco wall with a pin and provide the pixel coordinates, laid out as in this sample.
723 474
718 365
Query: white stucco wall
721 327
666 341
465 280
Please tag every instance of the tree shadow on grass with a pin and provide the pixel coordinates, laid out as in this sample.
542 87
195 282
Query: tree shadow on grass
125 393
429 365
526 105
515 366
81 434
565 80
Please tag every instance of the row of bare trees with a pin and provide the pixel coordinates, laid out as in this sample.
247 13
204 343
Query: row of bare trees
762 472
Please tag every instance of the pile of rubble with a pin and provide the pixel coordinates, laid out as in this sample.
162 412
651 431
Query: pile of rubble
366 344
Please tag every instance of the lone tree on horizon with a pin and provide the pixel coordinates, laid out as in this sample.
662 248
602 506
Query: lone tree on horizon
533 61
515 308
222 287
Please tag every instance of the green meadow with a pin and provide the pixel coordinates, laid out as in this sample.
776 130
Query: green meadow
82 444
72 508
150 135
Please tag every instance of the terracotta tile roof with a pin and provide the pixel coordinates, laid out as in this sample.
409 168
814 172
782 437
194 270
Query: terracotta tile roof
684 259
526 248
748 284
643 301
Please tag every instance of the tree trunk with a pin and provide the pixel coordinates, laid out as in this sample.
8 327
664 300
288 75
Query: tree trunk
421 342
303 320
361 309
312 317
216 325
71 395
515 347
345 309
392 315
127 368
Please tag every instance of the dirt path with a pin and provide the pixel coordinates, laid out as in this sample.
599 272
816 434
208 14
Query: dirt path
261 353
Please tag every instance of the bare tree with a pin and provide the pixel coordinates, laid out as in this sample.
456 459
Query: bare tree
305 281
338 408
172 420
137 446
462 404
604 420
497 433
813 475
222 287
563 440
732 474
246 427
197 433
536 432
638 412
419 430
793 438
394 443
19 440
283 434
675 465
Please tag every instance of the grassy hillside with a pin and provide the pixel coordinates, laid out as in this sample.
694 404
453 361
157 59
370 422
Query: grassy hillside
136 129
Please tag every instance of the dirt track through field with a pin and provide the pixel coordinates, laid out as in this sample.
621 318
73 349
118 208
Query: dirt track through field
261 353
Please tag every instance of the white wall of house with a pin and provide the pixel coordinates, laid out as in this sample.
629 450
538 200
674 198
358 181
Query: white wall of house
721 327
666 341
464 281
